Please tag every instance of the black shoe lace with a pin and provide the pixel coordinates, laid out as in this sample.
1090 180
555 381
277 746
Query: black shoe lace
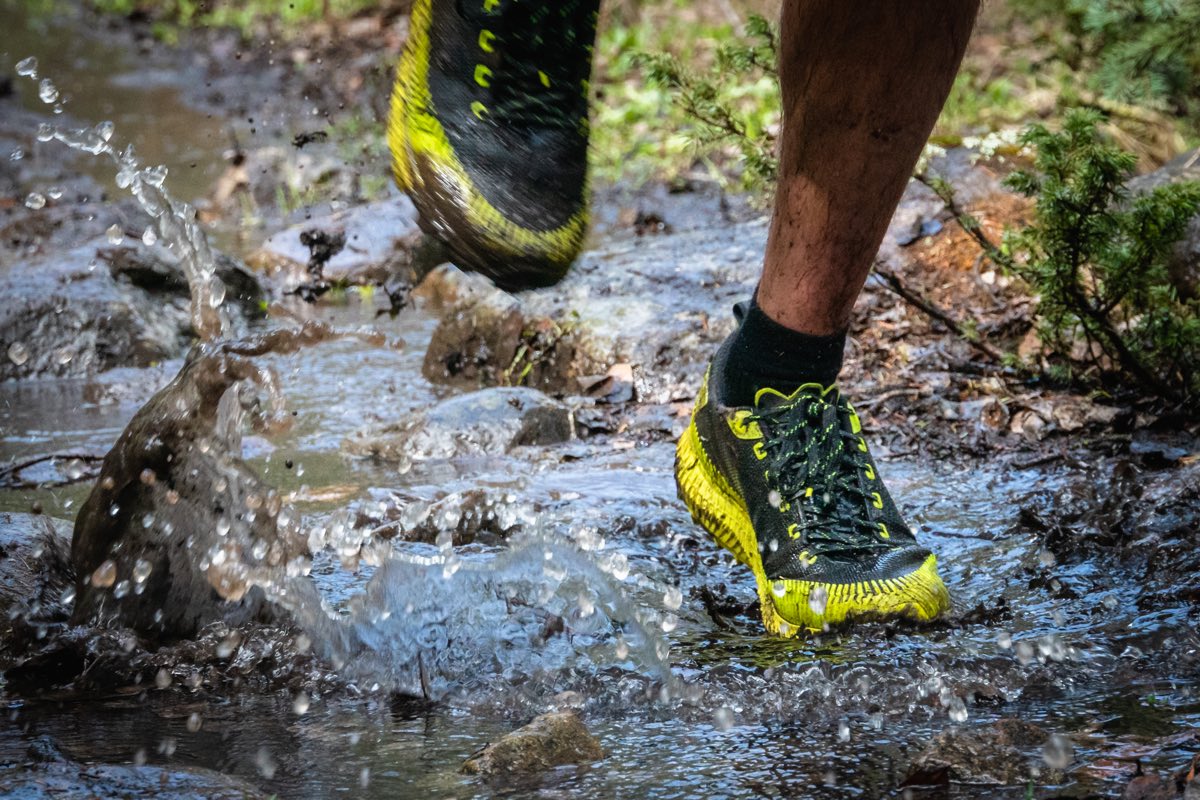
810 445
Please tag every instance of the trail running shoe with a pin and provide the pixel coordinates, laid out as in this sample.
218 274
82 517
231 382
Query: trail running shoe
489 132
789 487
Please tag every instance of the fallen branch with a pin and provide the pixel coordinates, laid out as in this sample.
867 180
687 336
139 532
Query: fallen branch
918 301
10 476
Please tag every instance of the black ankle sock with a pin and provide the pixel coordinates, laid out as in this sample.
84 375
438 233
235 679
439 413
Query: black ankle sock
762 353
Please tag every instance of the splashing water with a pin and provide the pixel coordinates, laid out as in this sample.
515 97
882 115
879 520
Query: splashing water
175 220
429 620
434 623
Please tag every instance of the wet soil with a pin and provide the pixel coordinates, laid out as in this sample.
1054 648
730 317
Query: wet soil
534 574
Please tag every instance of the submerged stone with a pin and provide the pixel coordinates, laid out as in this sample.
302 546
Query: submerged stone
1004 753
551 740
487 422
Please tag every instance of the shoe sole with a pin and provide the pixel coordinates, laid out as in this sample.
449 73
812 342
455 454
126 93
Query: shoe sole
785 604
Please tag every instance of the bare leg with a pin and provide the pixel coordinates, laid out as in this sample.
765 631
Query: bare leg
863 83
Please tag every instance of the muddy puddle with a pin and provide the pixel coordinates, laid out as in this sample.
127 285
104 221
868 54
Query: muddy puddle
568 575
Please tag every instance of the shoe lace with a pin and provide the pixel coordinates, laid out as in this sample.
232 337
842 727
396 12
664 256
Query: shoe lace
810 446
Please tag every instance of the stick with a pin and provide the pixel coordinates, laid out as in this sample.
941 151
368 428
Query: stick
893 282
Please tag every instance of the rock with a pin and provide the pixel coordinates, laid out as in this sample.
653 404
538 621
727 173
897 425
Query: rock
549 741
1150 787
67 316
175 513
34 566
157 269
997 755
96 307
1184 265
487 422
69 779
379 241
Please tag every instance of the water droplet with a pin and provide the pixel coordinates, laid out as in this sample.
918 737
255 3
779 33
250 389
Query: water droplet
1110 602
621 649
843 732
27 67
300 703
68 596
155 176
779 588
121 589
669 623
162 679
1004 640
16 155
167 746
264 763
104 130
818 599
723 718
35 201
139 758
364 777
149 237
228 645
63 356
216 295
673 598
1046 558
1058 752
115 234
774 498
105 575
194 722
47 91
148 477
55 192
957 709
18 353
142 570
1024 652
45 132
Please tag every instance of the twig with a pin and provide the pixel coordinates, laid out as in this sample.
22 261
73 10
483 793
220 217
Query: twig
9 476
893 282
908 391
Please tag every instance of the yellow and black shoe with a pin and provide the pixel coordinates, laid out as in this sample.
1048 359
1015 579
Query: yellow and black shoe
489 132
789 487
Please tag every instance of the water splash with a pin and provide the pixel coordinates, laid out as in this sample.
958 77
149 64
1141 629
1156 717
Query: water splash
174 220
430 620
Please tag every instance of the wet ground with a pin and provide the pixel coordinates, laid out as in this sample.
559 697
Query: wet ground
567 575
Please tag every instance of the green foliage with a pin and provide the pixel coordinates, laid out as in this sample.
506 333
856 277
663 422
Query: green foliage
715 103
640 130
1097 260
1143 50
